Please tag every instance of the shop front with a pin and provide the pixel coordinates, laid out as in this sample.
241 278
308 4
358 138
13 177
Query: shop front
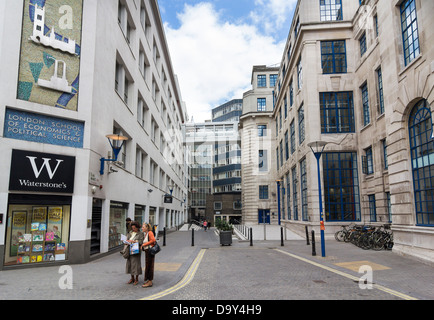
39 208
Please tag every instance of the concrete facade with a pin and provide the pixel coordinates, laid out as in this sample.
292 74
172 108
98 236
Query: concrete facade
127 86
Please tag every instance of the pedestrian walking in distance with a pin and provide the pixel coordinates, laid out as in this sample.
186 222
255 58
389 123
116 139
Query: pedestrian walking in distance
148 242
205 225
134 264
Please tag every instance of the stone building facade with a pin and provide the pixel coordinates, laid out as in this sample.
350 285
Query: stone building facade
359 76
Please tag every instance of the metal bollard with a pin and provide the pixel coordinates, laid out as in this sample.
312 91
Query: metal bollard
307 236
192 237
313 243
251 236
281 236
164 236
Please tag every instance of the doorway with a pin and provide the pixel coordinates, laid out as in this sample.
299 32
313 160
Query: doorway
264 216
95 238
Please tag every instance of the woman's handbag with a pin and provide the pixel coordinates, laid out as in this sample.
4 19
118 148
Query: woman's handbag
155 249
126 251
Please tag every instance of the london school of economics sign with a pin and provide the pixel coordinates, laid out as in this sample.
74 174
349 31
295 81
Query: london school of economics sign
41 172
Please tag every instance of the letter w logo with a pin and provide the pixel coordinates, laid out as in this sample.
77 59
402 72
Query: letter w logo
46 164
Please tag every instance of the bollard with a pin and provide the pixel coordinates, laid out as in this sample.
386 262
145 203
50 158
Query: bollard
281 236
313 243
251 236
307 236
164 236
192 237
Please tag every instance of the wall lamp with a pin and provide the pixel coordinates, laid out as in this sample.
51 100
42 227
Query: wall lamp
116 142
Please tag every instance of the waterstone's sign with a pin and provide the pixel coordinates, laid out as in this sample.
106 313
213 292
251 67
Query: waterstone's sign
42 172
34 127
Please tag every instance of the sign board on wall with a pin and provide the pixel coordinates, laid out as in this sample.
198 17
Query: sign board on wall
41 172
50 53
34 127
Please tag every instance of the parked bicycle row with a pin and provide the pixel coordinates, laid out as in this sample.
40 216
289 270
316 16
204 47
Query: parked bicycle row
366 236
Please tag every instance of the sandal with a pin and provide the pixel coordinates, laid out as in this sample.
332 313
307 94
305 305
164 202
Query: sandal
131 281
147 284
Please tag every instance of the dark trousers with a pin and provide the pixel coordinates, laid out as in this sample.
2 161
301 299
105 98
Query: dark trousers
149 266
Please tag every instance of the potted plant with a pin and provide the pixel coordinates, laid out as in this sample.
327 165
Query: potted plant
225 232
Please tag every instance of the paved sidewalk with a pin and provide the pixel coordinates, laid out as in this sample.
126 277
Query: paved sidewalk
105 279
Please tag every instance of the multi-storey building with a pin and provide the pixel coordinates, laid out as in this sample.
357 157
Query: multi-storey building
359 76
72 73
257 133
214 160
228 112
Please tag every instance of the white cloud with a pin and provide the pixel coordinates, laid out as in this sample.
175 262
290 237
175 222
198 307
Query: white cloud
213 58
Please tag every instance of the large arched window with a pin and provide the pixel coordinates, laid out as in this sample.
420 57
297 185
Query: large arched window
422 159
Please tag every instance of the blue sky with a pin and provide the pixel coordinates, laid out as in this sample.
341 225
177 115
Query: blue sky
215 44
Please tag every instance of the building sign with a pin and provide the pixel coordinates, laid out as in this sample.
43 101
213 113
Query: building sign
41 172
168 198
43 129
50 53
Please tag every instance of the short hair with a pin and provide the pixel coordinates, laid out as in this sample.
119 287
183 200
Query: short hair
135 223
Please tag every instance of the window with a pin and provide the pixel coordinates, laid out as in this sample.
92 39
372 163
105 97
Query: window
341 186
367 161
294 193
337 112
299 74
37 230
288 195
330 10
384 143
372 208
410 35
376 26
365 103
262 80
333 57
291 94
297 28
281 152
262 104
303 185
263 192
380 91
301 130
362 42
262 130
292 128
263 161
273 79
389 206
217 205
422 159
286 146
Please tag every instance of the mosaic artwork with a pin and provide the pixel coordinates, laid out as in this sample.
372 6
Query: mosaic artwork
50 53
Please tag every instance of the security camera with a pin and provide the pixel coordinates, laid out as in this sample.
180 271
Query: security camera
150 190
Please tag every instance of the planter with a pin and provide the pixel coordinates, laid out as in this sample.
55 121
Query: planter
225 238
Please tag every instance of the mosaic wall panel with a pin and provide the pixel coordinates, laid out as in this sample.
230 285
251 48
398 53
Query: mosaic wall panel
50 53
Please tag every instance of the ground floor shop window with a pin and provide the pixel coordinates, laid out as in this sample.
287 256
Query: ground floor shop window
37 233
117 223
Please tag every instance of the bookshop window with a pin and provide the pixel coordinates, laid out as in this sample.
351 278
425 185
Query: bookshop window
37 233
117 223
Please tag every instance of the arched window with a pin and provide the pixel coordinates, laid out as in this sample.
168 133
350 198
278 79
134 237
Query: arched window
422 159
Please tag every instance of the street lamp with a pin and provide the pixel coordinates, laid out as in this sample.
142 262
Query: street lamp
116 142
317 148
278 200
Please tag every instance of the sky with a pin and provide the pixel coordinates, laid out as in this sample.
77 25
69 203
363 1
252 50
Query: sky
215 44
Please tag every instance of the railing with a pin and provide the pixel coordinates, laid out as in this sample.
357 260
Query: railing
242 231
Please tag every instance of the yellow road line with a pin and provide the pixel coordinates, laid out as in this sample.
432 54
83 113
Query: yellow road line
346 275
186 280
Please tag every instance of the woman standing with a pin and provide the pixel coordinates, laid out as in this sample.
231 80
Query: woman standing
149 242
134 265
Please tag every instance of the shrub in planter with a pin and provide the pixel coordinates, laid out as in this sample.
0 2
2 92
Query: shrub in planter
225 232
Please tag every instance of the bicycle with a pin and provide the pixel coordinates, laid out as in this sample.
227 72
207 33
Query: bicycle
343 234
382 238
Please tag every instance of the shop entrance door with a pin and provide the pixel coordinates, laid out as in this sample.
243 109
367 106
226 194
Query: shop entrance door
95 242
